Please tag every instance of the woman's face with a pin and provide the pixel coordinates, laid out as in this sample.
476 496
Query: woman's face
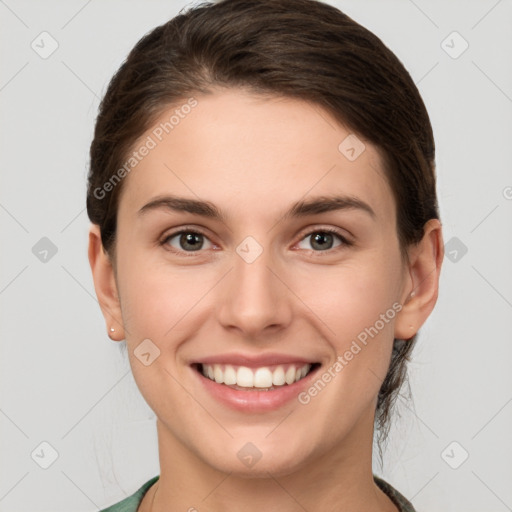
263 288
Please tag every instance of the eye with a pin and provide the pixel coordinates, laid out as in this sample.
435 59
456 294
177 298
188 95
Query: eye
323 239
186 241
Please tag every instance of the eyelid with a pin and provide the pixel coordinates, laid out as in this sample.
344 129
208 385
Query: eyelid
183 229
347 238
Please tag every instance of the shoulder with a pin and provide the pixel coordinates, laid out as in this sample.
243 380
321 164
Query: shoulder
131 503
403 504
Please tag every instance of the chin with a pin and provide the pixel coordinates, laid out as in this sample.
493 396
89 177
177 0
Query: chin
246 459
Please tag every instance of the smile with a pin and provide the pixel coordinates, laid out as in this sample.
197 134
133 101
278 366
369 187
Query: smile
261 378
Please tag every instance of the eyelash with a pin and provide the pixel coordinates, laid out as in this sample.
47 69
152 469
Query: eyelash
186 254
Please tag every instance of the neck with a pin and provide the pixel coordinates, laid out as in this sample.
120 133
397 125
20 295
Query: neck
341 479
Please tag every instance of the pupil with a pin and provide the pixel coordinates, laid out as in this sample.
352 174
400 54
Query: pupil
190 238
321 238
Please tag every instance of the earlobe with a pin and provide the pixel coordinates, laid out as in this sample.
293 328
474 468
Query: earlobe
422 286
105 285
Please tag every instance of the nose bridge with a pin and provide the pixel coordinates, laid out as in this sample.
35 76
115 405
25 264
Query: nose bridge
255 298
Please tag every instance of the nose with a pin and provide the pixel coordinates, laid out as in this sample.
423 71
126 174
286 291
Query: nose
256 298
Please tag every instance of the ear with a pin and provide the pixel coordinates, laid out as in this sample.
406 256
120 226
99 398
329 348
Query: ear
105 284
422 286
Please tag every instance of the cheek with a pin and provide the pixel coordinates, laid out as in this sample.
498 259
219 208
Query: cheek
358 305
352 296
159 299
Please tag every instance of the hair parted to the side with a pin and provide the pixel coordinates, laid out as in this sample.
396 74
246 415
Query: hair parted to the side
302 49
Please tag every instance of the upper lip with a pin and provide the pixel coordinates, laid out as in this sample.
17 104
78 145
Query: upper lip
253 361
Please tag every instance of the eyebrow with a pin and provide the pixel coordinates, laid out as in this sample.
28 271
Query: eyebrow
313 206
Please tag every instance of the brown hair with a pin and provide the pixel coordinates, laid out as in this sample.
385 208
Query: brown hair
302 49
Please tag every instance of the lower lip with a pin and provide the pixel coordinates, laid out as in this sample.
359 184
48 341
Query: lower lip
255 401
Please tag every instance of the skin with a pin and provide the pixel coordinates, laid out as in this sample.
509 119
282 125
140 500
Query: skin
253 156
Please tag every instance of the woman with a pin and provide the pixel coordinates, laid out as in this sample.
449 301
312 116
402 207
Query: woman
266 238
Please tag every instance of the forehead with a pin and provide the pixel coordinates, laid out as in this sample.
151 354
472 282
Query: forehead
254 153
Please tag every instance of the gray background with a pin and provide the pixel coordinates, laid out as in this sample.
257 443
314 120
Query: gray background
65 383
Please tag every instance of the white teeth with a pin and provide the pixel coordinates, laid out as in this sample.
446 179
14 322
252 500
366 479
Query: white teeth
217 374
245 377
229 375
263 377
290 375
278 378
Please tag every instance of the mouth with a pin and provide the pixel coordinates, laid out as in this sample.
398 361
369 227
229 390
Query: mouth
263 378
